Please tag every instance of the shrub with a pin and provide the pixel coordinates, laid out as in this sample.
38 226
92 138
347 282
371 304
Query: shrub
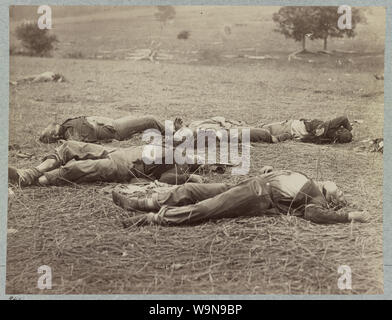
37 41
183 35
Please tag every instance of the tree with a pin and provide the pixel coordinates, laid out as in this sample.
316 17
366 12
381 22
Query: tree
295 22
314 22
165 13
37 41
327 24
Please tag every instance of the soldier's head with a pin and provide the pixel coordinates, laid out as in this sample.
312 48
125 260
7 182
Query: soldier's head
58 77
333 194
50 134
343 135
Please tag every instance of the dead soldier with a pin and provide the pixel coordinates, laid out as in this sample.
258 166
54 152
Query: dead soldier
79 162
271 193
94 128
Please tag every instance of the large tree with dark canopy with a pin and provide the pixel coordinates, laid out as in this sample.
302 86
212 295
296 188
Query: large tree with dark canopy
298 22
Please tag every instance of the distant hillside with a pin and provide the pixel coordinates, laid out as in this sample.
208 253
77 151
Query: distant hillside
98 30
18 13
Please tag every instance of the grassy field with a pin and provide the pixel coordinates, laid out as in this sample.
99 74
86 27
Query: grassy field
76 231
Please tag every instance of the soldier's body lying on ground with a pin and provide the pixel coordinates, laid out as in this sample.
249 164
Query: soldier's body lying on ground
337 130
42 77
94 129
79 162
218 125
271 193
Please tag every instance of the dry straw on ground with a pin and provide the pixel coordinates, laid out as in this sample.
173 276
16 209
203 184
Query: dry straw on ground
80 236
77 231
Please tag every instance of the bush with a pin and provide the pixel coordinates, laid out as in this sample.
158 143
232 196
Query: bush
37 41
183 35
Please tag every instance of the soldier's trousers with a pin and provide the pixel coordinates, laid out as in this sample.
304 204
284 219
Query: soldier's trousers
194 202
85 162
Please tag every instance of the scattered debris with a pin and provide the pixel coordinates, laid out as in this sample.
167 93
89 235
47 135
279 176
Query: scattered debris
294 56
324 52
176 266
143 54
343 51
372 94
372 145
379 76
151 54
11 194
164 56
11 231
344 62
148 54
377 145
24 155
247 49
136 188
260 57
252 57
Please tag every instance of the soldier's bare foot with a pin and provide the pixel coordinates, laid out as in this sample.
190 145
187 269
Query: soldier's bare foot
125 202
23 177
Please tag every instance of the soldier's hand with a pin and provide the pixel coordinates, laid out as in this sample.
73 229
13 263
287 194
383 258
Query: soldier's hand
195 178
359 216
266 169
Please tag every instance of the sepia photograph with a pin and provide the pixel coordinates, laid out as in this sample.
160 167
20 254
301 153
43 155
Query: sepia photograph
195 150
